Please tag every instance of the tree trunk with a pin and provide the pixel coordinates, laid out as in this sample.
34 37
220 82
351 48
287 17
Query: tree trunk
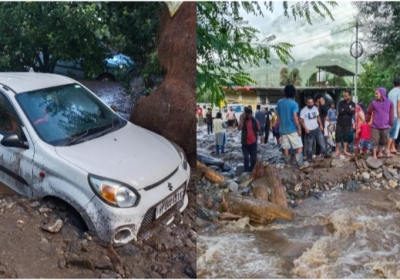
170 109
258 211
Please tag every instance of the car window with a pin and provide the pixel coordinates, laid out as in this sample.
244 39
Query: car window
9 122
60 113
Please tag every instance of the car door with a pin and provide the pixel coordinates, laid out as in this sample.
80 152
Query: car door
15 162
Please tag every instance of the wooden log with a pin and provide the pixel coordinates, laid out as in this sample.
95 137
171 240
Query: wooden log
258 171
258 211
209 174
274 182
228 216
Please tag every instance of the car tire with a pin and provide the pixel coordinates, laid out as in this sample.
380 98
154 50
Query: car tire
106 78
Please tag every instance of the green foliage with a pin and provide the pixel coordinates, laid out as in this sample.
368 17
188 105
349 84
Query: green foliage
292 77
374 76
334 80
72 30
225 43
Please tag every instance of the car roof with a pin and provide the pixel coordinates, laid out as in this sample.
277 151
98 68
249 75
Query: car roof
29 81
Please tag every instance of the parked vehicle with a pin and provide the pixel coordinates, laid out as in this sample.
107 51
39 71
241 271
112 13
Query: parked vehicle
117 64
58 139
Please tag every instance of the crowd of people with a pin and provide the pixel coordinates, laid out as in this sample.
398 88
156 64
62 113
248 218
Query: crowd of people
373 130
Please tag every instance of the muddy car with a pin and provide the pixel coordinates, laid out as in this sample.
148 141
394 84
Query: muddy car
60 140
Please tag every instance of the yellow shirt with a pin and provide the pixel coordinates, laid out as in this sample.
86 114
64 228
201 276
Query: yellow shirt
273 119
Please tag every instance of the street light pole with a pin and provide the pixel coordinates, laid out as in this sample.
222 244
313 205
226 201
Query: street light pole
356 77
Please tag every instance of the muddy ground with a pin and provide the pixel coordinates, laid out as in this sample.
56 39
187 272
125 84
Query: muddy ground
28 250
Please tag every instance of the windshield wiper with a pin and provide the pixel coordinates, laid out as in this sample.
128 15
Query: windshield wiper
76 138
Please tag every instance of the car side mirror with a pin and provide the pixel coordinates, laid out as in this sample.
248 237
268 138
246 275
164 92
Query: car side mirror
12 140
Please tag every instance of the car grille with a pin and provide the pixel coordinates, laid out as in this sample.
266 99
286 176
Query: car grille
150 224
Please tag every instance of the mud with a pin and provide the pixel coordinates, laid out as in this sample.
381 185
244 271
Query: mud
30 251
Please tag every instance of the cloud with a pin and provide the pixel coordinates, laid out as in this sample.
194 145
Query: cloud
315 39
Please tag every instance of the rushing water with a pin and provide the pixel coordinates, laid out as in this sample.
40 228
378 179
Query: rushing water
342 235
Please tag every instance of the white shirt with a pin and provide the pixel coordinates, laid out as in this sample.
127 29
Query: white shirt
310 117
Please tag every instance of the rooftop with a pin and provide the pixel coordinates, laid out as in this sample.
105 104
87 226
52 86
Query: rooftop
27 81
336 70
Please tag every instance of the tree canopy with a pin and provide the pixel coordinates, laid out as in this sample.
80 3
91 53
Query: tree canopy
225 42
289 77
73 30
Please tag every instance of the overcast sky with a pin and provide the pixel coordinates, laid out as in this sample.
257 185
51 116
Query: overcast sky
311 40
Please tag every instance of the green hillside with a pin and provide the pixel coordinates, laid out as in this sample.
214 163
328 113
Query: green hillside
269 74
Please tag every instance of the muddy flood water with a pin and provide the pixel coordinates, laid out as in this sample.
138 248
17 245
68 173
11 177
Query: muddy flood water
341 234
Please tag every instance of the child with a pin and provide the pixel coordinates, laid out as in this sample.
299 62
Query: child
364 133
328 135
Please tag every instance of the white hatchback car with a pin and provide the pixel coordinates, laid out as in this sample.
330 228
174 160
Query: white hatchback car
58 139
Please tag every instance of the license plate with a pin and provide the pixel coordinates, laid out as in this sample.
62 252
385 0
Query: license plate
169 202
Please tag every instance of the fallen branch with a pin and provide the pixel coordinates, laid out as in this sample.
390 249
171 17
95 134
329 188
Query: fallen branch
257 210
209 174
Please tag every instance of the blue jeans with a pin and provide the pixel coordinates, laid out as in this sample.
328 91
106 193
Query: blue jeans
315 134
249 151
222 146
209 127
394 131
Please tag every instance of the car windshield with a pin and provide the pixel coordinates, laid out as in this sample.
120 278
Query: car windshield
68 114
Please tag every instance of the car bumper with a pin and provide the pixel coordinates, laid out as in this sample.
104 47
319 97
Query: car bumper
122 225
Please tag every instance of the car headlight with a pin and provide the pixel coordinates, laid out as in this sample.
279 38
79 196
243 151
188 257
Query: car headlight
182 154
114 193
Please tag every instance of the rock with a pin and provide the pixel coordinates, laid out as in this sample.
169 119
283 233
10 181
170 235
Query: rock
192 235
373 174
44 210
386 187
178 243
245 191
189 271
337 162
298 187
189 243
366 175
392 184
387 175
80 262
246 183
392 171
35 204
128 250
51 204
62 263
298 194
352 185
226 190
54 228
3 270
110 275
244 176
233 187
103 262
226 167
373 163
376 184
206 214
379 175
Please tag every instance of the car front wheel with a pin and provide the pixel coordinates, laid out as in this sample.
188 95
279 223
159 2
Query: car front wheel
106 78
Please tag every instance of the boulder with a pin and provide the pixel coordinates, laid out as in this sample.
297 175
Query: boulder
373 163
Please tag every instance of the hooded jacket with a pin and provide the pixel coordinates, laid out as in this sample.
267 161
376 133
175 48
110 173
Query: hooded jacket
382 110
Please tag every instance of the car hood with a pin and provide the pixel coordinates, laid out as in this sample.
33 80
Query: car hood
131 155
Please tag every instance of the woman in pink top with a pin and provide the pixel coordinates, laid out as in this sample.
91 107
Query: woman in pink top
360 118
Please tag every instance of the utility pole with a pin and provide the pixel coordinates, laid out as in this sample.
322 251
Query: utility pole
355 84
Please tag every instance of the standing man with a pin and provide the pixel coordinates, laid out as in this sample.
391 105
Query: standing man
332 115
346 112
394 96
230 116
309 118
383 118
199 113
267 124
289 126
209 120
260 117
323 113
249 127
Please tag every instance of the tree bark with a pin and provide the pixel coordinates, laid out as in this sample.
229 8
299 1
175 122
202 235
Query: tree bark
258 211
